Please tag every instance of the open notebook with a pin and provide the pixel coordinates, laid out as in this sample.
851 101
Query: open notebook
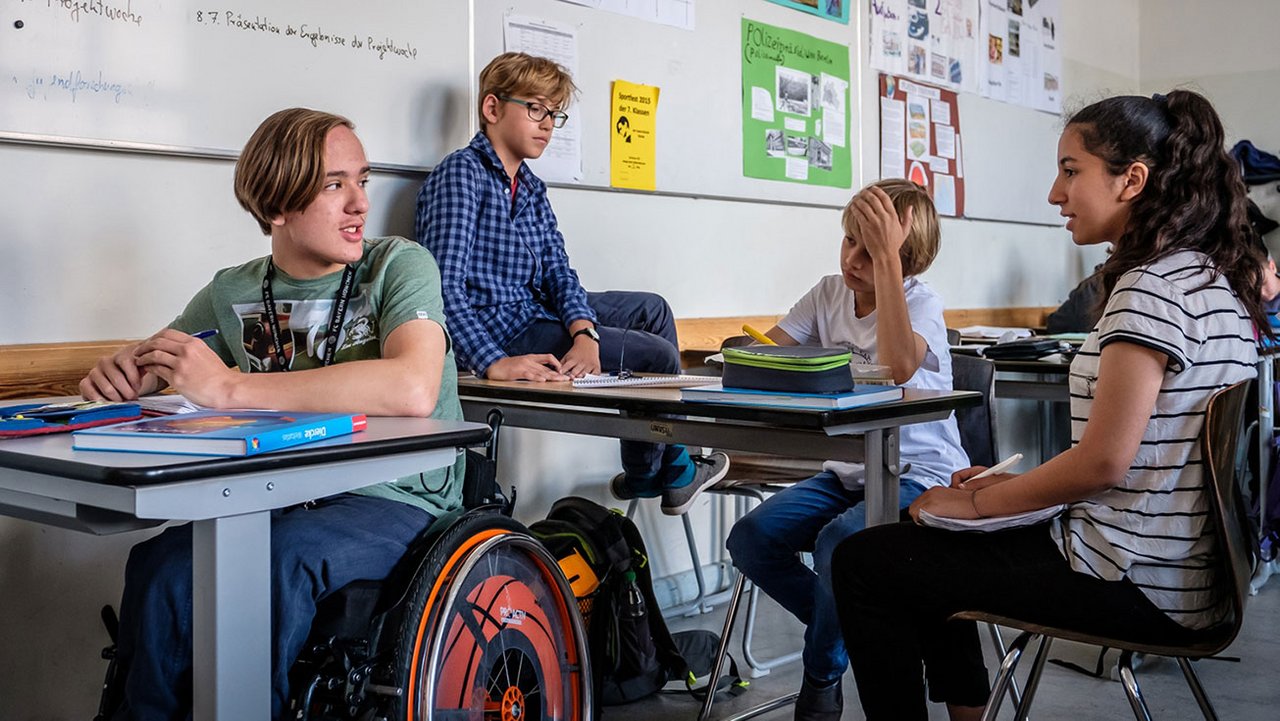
650 380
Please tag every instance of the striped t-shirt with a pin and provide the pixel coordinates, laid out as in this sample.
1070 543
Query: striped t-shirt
1154 528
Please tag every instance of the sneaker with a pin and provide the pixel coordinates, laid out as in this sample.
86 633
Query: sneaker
819 703
620 489
707 471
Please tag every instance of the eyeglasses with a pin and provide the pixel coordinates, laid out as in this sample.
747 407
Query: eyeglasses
539 112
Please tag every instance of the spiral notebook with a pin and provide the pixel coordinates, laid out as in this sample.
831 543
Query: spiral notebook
650 380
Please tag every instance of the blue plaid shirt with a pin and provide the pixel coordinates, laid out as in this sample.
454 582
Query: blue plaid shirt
502 267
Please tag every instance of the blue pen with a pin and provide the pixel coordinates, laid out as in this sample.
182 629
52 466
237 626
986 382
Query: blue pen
205 333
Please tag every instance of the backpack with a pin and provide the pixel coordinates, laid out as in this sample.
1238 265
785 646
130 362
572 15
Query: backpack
633 653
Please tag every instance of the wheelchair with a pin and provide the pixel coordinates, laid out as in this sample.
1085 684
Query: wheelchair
476 623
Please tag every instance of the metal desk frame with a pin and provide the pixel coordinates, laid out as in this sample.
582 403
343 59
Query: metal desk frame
229 501
658 415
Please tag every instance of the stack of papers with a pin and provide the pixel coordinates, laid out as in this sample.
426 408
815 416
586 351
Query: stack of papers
994 523
654 380
166 405
994 332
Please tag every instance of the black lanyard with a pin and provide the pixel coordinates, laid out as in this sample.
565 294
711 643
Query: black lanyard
335 317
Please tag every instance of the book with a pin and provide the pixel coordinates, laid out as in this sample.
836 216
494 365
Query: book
994 523
653 380
33 419
862 395
219 433
166 404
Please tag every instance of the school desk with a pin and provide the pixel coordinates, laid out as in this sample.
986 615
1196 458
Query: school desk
866 434
229 501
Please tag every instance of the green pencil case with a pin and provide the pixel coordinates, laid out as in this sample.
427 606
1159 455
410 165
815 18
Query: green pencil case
789 369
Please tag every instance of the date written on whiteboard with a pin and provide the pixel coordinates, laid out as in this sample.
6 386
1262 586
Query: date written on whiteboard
315 35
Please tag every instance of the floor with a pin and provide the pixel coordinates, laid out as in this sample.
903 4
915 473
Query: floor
1240 691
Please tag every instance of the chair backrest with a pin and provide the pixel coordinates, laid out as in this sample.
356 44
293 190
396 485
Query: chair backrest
1223 426
977 424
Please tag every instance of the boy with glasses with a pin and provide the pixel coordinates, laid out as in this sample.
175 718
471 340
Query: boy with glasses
516 308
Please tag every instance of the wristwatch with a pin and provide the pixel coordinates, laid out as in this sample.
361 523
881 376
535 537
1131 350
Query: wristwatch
589 332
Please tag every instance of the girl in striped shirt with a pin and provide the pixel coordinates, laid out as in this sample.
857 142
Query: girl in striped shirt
1132 554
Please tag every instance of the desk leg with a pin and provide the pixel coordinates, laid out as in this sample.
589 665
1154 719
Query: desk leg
1266 429
232 618
881 476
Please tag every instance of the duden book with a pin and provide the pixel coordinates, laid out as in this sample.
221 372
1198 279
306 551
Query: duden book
219 433
861 395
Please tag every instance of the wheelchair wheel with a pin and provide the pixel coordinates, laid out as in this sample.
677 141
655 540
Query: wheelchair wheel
491 632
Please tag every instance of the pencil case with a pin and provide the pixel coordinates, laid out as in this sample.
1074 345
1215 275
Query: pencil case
789 369
34 419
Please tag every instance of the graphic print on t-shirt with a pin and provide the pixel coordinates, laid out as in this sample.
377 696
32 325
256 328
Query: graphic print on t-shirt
304 325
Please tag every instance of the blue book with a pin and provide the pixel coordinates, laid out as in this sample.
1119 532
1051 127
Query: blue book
219 433
862 395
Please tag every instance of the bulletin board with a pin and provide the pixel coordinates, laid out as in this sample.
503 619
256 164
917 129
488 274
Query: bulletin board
920 140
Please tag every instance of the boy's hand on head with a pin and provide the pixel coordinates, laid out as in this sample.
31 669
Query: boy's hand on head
531 367
117 377
880 229
189 365
582 358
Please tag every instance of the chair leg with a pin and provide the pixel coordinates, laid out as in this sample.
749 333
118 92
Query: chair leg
722 651
1197 690
1015 695
1007 666
758 667
1033 681
1131 689
695 605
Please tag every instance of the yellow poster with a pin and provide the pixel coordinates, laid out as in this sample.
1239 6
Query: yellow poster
635 111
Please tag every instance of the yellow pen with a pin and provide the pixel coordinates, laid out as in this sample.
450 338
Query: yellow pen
757 335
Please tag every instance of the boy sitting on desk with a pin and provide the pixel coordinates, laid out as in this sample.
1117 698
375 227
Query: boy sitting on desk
359 325
515 304
878 310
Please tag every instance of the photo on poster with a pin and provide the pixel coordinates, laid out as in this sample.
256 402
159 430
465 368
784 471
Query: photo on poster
938 66
819 154
891 44
773 143
797 145
793 89
995 49
1015 39
918 28
1015 7
916 3
1047 29
917 58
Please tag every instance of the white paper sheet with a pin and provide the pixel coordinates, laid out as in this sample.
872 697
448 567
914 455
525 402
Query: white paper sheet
562 159
892 128
944 194
946 140
761 104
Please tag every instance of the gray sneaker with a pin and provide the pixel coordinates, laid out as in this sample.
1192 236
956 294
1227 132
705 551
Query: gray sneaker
707 471
819 703
624 491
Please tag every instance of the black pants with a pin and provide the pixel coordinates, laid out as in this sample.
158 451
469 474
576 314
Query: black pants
897 585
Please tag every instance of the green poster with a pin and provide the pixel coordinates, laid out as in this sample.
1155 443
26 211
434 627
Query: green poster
795 107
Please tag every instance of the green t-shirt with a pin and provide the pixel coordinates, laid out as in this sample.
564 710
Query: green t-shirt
396 281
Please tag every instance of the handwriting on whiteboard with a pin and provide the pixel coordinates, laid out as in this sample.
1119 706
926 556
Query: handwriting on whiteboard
74 83
314 35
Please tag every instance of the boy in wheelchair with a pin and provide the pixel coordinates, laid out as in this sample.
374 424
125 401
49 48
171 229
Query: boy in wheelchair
359 324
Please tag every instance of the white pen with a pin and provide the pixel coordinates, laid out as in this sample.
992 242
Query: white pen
997 468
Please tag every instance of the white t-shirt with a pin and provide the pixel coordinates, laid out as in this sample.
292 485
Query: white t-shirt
826 316
1154 528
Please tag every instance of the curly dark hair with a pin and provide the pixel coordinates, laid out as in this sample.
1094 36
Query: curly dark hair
1194 198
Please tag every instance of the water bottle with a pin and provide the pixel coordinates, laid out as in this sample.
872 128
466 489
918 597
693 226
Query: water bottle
634 605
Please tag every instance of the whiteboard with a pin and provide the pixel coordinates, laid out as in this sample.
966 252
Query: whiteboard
1009 161
699 73
202 75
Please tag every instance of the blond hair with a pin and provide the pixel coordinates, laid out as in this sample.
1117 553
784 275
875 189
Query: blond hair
512 74
924 237
281 169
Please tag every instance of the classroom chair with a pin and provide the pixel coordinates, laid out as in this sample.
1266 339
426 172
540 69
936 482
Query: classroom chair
1220 448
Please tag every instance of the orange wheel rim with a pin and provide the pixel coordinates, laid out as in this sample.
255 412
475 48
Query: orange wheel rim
513 708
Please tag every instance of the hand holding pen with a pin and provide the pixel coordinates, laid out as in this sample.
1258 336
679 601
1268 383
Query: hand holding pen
971 483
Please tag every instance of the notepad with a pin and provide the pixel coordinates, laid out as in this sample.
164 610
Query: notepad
652 380
994 523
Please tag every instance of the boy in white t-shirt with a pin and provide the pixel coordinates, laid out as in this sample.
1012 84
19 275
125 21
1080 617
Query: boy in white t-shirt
883 314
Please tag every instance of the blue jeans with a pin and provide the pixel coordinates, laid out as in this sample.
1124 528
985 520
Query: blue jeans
315 550
637 332
814 515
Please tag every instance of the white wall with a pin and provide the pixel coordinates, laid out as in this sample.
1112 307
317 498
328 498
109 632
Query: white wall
107 245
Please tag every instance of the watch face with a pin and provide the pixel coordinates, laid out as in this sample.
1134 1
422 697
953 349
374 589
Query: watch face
590 333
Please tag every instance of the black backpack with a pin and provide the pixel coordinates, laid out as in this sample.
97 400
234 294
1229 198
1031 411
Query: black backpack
633 654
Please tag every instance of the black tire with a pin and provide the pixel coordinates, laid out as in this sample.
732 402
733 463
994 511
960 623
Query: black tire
490 631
